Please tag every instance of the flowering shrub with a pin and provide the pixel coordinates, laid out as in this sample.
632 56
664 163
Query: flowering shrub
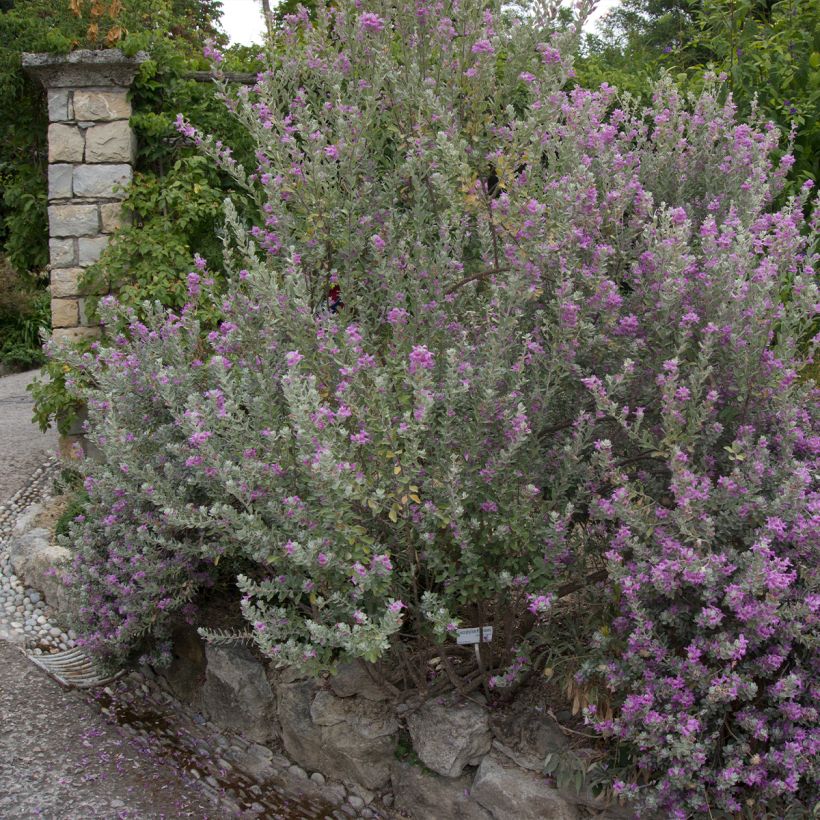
487 336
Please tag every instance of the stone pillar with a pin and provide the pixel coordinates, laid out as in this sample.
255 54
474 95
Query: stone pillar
91 151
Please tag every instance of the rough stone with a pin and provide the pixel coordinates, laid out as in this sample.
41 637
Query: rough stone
62 253
59 181
90 248
426 796
59 105
529 730
110 142
37 562
101 105
449 734
100 180
353 679
65 312
84 68
112 216
73 220
75 334
65 282
237 694
508 791
66 143
344 738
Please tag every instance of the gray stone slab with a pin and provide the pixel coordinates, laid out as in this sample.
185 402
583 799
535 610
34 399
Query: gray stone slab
59 104
73 220
101 105
110 142
62 252
66 143
90 248
101 180
83 68
59 180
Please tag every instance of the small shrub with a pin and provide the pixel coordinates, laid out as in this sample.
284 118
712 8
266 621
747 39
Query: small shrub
490 340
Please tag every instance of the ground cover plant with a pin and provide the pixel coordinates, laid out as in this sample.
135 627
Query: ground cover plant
491 348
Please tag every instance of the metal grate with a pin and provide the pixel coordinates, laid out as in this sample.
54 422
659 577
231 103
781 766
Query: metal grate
73 669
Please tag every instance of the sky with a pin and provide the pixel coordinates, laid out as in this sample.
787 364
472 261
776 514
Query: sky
242 19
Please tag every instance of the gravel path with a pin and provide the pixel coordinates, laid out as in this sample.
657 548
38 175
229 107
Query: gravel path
60 759
23 448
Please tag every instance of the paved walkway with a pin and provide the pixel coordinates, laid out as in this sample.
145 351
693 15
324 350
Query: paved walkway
23 448
59 757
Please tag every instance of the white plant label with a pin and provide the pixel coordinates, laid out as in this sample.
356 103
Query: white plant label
474 635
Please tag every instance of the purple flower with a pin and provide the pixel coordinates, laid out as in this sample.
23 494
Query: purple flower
293 357
420 359
371 22
483 47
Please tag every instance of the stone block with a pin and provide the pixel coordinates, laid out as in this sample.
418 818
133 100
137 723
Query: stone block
40 564
66 143
107 105
423 795
59 181
62 253
449 734
90 248
65 312
65 282
237 695
100 180
59 104
507 791
110 142
75 334
73 220
350 739
112 216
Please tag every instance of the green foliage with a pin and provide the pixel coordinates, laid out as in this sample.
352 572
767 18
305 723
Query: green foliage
171 214
75 507
55 402
25 313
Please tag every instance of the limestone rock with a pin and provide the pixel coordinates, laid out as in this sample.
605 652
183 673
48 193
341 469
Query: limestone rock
59 105
237 694
101 180
65 312
110 142
66 143
62 253
75 334
449 734
90 248
112 216
73 220
353 679
40 564
65 282
344 738
59 180
507 791
530 731
111 104
426 796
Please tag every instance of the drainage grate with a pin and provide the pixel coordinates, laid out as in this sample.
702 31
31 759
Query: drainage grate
72 668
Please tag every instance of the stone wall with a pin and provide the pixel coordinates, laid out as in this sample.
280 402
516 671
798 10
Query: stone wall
91 152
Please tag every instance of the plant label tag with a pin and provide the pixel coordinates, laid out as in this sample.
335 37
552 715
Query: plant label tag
474 635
